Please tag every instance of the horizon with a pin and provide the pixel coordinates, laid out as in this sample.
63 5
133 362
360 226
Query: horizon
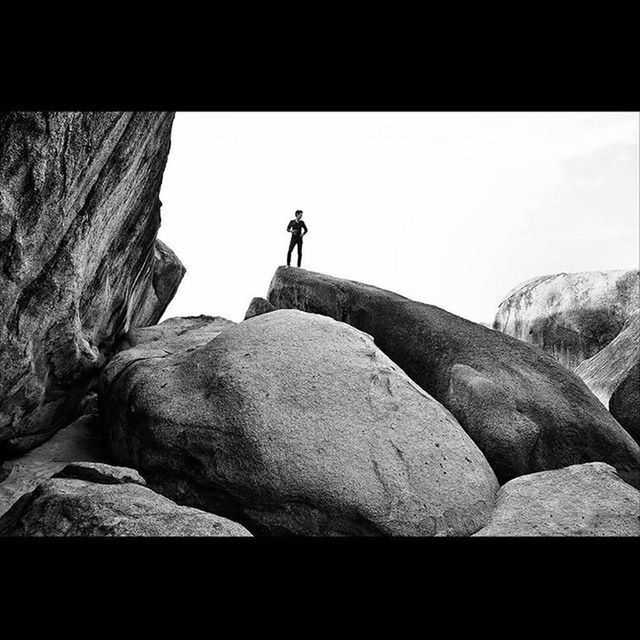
481 201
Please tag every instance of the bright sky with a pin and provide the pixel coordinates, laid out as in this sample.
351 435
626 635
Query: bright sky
452 209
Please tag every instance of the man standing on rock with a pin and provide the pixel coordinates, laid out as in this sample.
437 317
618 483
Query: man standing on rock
295 228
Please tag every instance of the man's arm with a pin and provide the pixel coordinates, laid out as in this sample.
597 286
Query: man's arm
289 226
304 226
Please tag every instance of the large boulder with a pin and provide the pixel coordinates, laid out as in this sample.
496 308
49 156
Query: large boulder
523 409
79 260
580 500
624 403
67 506
571 316
605 371
293 423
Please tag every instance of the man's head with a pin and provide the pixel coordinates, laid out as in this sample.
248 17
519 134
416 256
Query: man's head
298 214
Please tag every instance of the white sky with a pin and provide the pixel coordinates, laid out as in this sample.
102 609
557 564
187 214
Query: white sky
452 209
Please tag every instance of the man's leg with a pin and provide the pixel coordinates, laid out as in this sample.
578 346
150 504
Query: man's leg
299 252
291 245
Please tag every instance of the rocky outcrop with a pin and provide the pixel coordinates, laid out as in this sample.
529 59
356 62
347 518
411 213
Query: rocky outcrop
580 500
66 506
83 440
292 423
571 316
175 334
79 260
624 403
100 473
523 409
604 372
257 307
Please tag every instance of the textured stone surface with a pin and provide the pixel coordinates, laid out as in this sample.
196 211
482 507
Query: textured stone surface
580 500
100 473
81 440
603 372
72 507
79 260
624 403
571 316
292 423
523 409
175 334
257 307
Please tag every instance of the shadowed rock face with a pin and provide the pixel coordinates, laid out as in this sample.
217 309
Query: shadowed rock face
571 316
67 506
605 371
79 259
523 409
580 500
292 423
624 403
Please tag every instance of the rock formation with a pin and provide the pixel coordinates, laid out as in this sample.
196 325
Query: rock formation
175 334
580 500
571 316
69 506
258 306
603 372
624 403
79 260
82 440
523 409
100 473
292 423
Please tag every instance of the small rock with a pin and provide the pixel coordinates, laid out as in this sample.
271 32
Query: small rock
257 307
100 473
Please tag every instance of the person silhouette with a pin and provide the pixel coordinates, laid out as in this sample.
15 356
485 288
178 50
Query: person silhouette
295 228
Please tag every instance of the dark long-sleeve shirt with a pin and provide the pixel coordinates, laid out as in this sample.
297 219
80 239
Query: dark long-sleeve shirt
296 226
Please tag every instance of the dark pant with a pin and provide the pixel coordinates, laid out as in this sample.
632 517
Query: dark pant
295 240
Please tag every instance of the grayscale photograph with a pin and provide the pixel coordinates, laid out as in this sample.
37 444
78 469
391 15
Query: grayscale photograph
319 324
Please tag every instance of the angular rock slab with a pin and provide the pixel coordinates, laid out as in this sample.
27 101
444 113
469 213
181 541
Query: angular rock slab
72 507
605 371
624 403
523 409
257 307
293 423
580 500
176 334
571 316
100 473
79 259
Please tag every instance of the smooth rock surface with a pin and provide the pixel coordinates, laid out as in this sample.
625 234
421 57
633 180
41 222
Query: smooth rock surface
580 500
624 403
523 409
72 507
83 440
79 260
604 372
571 316
257 307
292 423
